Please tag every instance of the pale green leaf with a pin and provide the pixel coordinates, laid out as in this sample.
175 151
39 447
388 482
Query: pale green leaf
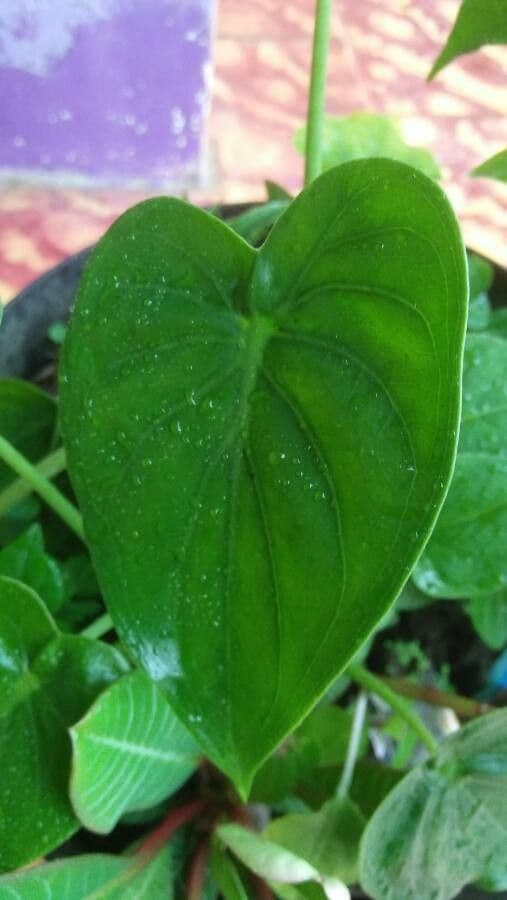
496 166
488 613
478 22
130 752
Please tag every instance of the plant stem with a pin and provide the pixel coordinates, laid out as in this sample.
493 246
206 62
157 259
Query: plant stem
98 627
175 819
317 94
52 496
353 747
464 707
376 685
48 467
197 871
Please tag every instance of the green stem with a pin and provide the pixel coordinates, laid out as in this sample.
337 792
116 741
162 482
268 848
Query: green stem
48 467
353 747
52 496
375 685
98 627
317 95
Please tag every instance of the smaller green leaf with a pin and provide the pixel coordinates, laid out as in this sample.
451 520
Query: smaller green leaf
478 22
254 224
455 563
366 134
308 891
484 410
488 613
411 598
371 784
226 876
47 681
327 839
479 313
57 332
96 876
480 275
26 560
327 728
276 191
129 753
27 420
445 824
279 775
264 857
495 166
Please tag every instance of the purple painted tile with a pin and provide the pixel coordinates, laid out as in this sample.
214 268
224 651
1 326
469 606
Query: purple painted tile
112 91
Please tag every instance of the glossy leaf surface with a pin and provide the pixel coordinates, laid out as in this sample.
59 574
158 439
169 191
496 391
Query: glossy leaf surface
444 825
366 134
496 166
26 561
478 22
256 476
455 563
95 877
130 752
27 420
47 681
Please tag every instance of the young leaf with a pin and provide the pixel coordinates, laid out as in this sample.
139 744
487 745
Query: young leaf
366 134
488 613
27 420
242 444
94 876
264 857
496 166
47 681
484 413
478 22
445 824
129 753
455 563
26 561
254 224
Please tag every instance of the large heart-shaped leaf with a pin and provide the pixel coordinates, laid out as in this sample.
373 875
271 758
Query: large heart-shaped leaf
260 441
47 681
445 824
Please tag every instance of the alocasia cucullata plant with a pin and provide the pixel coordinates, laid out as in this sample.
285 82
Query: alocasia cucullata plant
260 441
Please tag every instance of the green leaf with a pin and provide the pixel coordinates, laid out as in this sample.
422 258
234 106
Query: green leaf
130 752
278 776
242 444
327 728
445 824
498 323
328 839
97 876
47 681
488 613
26 561
495 166
484 413
455 563
226 876
27 420
264 857
480 275
254 224
57 332
276 191
366 134
478 22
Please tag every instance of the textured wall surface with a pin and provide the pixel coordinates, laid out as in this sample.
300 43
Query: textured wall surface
381 53
113 90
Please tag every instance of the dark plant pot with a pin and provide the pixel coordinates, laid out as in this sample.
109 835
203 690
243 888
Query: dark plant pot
25 349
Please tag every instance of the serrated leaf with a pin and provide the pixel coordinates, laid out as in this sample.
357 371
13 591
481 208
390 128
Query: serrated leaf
367 134
240 438
484 413
47 681
97 876
478 22
496 166
26 561
130 752
488 613
455 563
27 420
445 824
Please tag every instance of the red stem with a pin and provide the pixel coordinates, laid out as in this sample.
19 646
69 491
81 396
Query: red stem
197 871
175 819
262 890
